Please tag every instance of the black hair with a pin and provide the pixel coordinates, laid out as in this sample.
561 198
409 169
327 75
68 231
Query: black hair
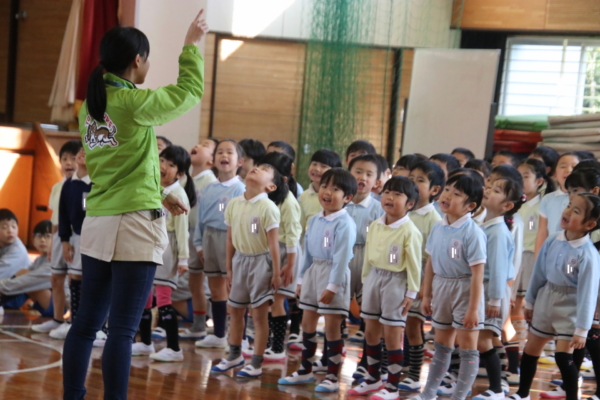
164 139
361 145
43 227
327 157
402 184
385 165
181 158
7 215
539 169
435 174
367 158
283 164
409 161
253 149
482 166
587 178
587 164
450 161
285 147
584 155
214 140
238 148
71 147
468 183
548 154
508 172
570 153
514 159
341 178
278 195
118 49
513 190
593 212
465 152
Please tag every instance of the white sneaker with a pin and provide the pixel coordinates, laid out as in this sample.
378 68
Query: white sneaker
167 355
517 397
358 337
410 385
511 378
60 333
505 386
319 368
212 342
45 327
327 386
142 349
250 334
100 340
360 373
159 333
384 377
294 342
556 393
449 378
270 355
297 379
550 346
588 374
189 335
448 390
384 394
429 336
366 388
587 363
226 365
489 395
250 372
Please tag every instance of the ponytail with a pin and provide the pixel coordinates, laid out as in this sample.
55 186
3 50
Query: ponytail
292 185
513 190
593 213
96 94
283 164
190 189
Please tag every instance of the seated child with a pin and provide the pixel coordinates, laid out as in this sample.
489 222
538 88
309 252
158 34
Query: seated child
13 254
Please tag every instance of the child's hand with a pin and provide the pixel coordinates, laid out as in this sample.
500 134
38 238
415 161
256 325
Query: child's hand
201 256
406 304
512 304
578 342
181 269
174 205
298 291
528 315
471 321
287 275
326 297
275 282
492 311
67 252
426 306
229 279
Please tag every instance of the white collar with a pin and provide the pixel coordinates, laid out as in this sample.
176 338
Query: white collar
396 224
425 209
365 203
459 222
257 197
85 179
201 174
574 243
333 216
171 187
493 221
558 192
534 201
310 189
231 182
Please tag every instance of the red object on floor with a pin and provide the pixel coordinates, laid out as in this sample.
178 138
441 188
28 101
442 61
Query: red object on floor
517 136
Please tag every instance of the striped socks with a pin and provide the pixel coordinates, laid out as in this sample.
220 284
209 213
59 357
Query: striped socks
416 361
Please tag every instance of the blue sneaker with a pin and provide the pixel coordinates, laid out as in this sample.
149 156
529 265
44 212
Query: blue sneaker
226 365
297 379
327 386
250 372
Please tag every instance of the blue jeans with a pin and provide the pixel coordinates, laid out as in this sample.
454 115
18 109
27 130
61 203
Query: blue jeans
118 290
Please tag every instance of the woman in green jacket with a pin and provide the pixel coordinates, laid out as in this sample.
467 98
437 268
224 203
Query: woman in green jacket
123 236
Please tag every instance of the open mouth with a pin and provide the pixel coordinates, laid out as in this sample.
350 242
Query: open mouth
444 204
224 162
162 174
70 170
194 152
388 205
361 186
327 201
565 220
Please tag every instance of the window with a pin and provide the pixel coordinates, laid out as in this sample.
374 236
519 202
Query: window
554 76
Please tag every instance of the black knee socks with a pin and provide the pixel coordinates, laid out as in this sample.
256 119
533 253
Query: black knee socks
528 369
593 346
491 361
75 288
295 316
169 316
569 372
146 327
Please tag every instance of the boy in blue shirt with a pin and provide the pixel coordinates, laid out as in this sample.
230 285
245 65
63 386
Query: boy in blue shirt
13 254
324 279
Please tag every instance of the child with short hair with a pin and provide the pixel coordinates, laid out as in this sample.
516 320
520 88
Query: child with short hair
447 162
452 290
358 148
548 156
162 143
505 157
201 158
13 254
174 165
481 166
406 163
68 166
386 174
253 270
429 178
392 278
463 155
210 235
562 294
253 152
34 281
287 149
324 280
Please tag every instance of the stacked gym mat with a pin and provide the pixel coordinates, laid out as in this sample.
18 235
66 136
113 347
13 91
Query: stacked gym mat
575 132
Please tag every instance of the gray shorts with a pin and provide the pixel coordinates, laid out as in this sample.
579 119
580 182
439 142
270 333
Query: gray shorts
194 263
356 266
415 310
59 265
383 294
451 301
495 324
182 293
289 290
33 281
555 312
166 274
315 282
214 242
524 276
251 280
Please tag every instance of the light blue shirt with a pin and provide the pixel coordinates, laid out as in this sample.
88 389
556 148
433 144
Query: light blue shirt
330 238
13 258
500 252
551 208
568 263
300 190
363 214
438 208
517 231
211 208
455 248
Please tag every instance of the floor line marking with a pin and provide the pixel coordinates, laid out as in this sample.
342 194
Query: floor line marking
40 368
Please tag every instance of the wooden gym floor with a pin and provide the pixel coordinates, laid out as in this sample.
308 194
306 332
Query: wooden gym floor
30 369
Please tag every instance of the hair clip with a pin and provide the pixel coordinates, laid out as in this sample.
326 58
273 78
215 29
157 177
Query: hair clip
524 198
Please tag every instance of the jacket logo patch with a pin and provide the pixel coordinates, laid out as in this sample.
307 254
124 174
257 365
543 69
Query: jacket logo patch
100 135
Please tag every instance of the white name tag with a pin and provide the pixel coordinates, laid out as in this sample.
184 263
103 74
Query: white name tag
327 239
572 266
254 225
394 256
532 224
223 203
455 249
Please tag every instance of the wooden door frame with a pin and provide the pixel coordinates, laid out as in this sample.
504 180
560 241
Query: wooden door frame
11 71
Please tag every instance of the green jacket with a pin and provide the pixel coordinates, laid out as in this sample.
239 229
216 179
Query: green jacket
121 151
